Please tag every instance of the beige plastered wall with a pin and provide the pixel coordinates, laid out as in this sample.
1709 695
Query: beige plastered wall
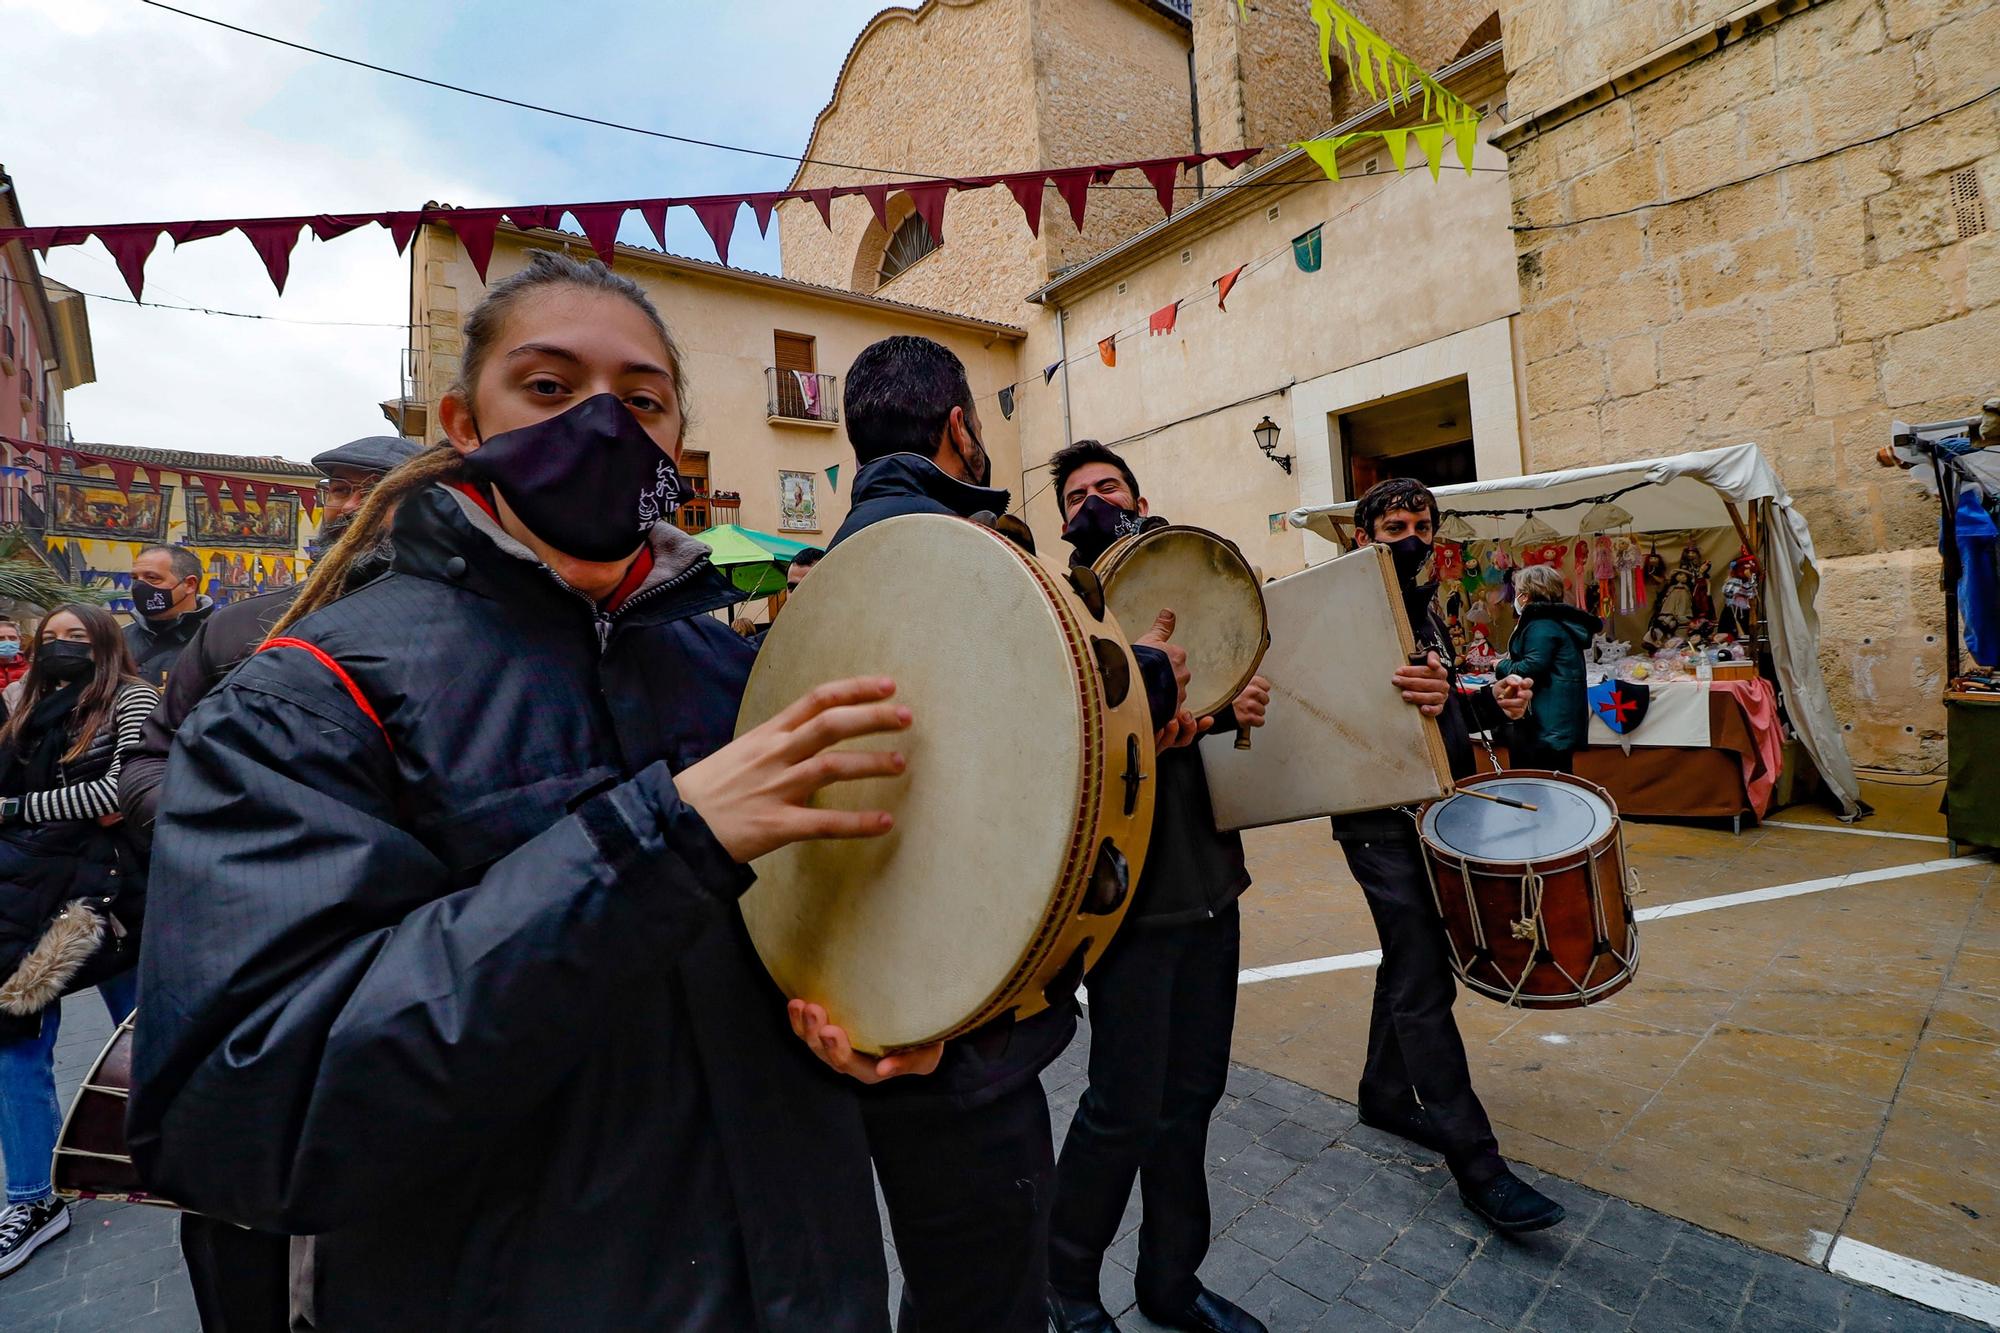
1410 264
723 321
1803 309
956 87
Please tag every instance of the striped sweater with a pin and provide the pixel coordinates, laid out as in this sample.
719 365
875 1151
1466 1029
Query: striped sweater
91 780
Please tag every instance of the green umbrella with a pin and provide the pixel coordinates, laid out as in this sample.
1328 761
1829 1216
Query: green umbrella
755 561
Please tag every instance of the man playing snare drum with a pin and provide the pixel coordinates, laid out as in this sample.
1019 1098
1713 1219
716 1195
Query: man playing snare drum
1416 1083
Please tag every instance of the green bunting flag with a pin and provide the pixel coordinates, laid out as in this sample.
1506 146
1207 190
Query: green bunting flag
833 478
1306 250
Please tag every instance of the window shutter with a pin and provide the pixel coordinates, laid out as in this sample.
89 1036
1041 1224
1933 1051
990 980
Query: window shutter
793 351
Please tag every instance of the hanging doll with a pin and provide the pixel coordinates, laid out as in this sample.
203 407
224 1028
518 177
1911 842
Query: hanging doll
1673 612
1578 580
1604 567
1447 562
1631 588
1504 562
1655 566
1739 594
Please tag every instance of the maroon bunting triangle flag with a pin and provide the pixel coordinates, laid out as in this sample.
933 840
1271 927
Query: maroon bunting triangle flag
761 205
528 219
878 199
273 240
152 477
1235 157
183 232
1027 192
1074 187
308 499
823 201
1224 283
600 226
122 474
402 226
718 219
1161 175
327 227
203 480
475 228
259 493
654 211
928 199
130 246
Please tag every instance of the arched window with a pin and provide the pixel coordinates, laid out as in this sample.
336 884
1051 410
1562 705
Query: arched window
911 242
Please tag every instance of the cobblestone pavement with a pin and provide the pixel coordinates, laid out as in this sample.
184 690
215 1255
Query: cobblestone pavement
1321 1224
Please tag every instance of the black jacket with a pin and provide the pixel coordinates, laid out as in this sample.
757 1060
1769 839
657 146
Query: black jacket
155 647
1547 647
218 647
465 991
994 1060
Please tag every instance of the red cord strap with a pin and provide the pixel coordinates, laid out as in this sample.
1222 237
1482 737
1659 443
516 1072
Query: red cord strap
353 690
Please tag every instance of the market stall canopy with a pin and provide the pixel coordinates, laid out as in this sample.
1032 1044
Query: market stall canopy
1683 491
755 561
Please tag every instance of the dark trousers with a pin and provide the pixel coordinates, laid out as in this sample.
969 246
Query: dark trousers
1413 1041
241 1279
1162 1007
968 1194
1528 752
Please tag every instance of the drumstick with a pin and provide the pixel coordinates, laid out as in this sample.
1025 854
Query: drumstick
1498 800
1242 737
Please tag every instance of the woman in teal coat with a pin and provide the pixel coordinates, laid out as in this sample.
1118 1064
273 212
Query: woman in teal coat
1547 647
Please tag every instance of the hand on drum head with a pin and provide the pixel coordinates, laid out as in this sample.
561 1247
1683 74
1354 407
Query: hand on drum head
1185 729
1426 686
755 791
1514 694
830 1044
1156 637
1252 703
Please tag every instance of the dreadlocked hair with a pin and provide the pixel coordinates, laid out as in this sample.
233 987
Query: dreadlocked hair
441 463
543 269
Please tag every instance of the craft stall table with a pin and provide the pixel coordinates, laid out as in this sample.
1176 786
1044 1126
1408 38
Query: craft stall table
1703 749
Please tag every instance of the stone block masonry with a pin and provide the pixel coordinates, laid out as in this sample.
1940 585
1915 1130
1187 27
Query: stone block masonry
1812 281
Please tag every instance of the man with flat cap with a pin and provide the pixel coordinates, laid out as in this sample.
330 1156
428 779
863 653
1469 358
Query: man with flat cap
241 1278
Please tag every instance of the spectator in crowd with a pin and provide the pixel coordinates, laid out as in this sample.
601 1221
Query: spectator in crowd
1547 647
170 607
13 661
69 908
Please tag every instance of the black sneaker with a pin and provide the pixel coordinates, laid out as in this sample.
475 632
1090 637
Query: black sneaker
1410 1122
26 1227
1207 1313
1509 1203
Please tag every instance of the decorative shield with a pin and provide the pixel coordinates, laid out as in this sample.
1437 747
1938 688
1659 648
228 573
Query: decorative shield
1621 704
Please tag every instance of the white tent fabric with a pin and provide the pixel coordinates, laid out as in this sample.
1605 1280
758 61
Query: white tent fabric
1685 491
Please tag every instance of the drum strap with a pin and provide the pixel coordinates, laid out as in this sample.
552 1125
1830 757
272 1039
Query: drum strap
340 674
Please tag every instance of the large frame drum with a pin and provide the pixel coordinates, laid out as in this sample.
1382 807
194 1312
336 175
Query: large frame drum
1213 592
1023 818
1537 905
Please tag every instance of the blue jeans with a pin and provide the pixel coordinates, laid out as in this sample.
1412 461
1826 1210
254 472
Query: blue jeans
29 1116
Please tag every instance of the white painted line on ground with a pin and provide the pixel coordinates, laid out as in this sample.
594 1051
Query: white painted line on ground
1250 976
1855 832
1915 1280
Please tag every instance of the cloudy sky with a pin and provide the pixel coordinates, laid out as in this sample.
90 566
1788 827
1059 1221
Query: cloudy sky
117 111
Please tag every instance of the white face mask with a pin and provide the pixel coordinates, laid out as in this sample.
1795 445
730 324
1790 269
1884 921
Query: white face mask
1519 606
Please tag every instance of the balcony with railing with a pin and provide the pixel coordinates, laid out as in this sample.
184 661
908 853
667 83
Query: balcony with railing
801 398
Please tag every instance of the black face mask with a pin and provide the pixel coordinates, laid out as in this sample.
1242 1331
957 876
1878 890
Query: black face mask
1412 555
65 661
150 600
1096 524
983 477
590 482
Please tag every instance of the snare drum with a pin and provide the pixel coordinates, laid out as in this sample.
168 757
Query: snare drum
92 1161
1537 905
1217 602
1022 819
